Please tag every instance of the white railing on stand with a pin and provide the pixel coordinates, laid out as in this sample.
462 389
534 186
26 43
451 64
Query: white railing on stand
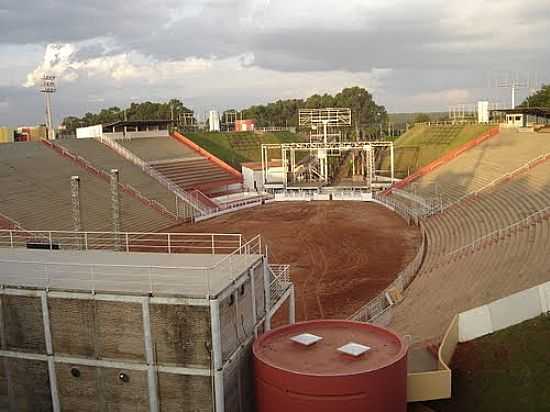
210 243
191 281
180 193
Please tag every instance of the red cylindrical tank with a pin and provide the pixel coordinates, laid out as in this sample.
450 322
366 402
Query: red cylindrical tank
325 376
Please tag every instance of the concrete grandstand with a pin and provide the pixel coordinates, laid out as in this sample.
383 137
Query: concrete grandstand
482 210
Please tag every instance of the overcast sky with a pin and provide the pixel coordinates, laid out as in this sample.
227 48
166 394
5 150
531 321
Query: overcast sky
413 55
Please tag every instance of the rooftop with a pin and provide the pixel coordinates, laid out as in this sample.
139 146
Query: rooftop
186 274
327 356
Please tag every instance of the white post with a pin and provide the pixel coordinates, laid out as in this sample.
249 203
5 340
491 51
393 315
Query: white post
217 355
392 162
253 293
150 358
267 292
291 306
49 351
169 244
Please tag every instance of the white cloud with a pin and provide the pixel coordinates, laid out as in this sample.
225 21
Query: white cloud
62 61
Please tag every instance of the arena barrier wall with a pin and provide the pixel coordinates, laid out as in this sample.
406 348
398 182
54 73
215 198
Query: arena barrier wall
423 171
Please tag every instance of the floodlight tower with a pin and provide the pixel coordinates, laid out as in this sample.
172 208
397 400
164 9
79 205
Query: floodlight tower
48 88
515 85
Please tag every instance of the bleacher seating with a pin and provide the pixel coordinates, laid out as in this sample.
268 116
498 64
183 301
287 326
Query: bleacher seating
179 163
35 191
483 164
192 173
104 158
450 281
157 149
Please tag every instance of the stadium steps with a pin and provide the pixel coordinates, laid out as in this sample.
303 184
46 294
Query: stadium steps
35 191
189 171
130 174
482 164
517 261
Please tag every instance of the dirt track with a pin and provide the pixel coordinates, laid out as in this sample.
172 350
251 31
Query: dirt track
341 253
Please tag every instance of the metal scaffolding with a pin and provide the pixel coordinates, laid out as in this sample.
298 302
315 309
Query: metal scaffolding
316 164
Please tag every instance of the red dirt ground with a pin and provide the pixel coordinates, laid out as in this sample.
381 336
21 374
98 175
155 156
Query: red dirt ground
342 254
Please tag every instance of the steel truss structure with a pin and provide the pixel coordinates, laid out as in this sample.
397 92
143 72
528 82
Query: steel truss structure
325 124
306 165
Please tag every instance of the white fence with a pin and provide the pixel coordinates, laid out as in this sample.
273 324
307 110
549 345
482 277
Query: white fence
204 243
323 194
191 281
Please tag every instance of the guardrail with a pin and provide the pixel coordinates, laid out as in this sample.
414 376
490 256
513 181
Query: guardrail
378 306
280 282
522 169
192 281
500 233
180 193
209 243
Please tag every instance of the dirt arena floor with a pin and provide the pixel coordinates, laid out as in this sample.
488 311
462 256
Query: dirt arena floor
342 254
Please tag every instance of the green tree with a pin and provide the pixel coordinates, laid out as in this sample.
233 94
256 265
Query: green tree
540 99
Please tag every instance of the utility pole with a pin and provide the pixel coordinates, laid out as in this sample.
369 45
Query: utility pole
48 88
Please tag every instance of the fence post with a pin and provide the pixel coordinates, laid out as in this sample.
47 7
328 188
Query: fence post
213 245
169 243
11 239
50 240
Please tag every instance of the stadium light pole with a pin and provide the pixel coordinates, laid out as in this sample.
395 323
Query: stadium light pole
48 88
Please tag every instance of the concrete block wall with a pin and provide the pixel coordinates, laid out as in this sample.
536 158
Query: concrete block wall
77 351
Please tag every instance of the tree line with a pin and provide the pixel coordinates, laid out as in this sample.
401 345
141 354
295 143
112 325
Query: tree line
368 118
170 110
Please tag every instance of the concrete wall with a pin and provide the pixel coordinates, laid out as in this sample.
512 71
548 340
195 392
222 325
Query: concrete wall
505 312
89 340
62 350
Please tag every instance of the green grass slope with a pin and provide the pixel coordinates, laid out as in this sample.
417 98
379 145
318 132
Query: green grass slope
421 145
507 371
237 148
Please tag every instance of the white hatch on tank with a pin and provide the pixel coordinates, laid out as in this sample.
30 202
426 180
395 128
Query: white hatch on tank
354 349
306 339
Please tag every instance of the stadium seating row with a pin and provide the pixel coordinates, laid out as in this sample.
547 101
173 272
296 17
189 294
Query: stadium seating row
35 191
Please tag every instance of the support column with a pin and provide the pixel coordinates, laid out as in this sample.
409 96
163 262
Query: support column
152 383
267 291
49 351
115 207
291 306
253 296
217 355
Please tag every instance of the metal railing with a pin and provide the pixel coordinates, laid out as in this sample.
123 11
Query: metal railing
192 281
498 234
205 243
180 193
522 169
381 303
280 281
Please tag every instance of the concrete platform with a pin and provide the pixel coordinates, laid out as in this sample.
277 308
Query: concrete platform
186 275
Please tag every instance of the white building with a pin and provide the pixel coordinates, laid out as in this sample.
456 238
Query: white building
126 129
214 121
253 178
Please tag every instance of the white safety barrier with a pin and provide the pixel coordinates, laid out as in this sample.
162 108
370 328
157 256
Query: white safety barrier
503 313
